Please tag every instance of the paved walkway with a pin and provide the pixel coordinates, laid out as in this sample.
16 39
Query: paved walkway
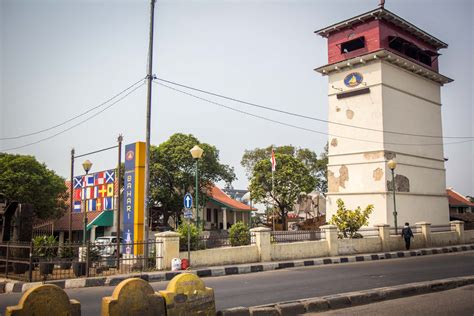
457 302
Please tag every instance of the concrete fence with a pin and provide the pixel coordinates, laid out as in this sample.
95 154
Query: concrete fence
265 250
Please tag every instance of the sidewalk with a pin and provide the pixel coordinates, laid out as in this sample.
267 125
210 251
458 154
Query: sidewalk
8 286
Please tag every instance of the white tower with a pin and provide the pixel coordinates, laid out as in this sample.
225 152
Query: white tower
383 77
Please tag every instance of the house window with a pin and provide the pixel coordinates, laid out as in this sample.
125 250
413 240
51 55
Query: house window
353 45
208 215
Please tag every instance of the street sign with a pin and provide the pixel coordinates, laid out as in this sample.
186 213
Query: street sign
188 201
188 214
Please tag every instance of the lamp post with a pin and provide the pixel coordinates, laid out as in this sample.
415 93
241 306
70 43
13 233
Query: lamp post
87 165
392 164
196 152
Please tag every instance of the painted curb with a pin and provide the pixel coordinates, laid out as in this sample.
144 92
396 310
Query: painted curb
350 299
18 287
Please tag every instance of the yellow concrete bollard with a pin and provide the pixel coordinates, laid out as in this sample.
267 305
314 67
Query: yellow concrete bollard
132 297
187 295
45 300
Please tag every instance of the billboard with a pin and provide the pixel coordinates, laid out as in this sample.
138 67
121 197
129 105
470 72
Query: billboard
133 197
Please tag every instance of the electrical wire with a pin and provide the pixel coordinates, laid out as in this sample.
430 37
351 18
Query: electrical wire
299 127
305 116
77 124
74 117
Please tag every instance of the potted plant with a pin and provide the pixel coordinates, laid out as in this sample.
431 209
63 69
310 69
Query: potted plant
66 255
45 249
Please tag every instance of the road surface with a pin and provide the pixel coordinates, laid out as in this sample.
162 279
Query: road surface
305 282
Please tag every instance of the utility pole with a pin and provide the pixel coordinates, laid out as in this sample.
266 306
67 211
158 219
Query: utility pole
148 124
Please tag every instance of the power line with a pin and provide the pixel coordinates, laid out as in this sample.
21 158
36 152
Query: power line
77 124
74 117
305 116
299 127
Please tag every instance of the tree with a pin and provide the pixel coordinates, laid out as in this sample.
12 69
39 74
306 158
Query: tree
24 179
172 173
348 222
290 179
316 167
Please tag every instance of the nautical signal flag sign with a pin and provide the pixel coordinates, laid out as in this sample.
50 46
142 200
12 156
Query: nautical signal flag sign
96 191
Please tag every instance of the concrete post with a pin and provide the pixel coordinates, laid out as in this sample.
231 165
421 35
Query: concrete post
458 227
384 234
168 250
92 234
224 218
425 232
262 240
330 232
235 217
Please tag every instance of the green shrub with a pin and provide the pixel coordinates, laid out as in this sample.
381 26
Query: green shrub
183 238
239 234
348 222
45 247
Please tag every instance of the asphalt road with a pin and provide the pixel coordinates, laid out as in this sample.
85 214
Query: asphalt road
459 302
297 283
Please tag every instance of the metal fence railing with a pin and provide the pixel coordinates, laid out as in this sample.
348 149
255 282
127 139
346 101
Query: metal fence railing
218 240
369 232
31 263
440 228
296 235
414 229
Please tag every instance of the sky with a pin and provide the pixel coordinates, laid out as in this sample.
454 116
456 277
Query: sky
61 58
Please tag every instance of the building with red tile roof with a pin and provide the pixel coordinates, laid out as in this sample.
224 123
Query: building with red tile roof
221 211
460 208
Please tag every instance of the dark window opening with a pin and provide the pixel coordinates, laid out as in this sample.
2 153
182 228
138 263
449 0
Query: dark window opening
411 50
353 45
208 215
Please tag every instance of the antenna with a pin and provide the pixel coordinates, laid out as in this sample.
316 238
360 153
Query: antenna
382 3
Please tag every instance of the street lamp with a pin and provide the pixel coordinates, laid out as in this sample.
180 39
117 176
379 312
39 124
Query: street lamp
196 152
87 165
392 164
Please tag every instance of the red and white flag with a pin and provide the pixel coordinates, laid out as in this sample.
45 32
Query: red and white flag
273 161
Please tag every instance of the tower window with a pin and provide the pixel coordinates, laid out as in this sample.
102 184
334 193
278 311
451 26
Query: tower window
352 45
411 50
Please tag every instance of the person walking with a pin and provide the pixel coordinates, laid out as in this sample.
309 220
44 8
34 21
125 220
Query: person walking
407 234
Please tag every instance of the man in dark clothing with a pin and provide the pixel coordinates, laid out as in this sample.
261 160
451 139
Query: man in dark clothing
407 234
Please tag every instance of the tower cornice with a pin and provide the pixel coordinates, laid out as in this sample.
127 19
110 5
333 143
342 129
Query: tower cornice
388 56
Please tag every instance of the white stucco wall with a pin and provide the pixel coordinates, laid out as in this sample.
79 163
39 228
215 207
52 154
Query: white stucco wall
360 245
398 243
440 239
469 236
223 256
299 250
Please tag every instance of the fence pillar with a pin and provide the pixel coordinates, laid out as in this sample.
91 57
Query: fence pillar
262 240
458 227
384 234
169 248
330 231
425 232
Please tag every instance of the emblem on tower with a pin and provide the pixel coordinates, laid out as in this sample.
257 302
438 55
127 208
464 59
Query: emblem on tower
353 79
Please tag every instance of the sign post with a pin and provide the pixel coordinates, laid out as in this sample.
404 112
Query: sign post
188 214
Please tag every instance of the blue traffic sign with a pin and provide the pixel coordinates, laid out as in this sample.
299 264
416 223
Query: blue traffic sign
188 201
188 214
